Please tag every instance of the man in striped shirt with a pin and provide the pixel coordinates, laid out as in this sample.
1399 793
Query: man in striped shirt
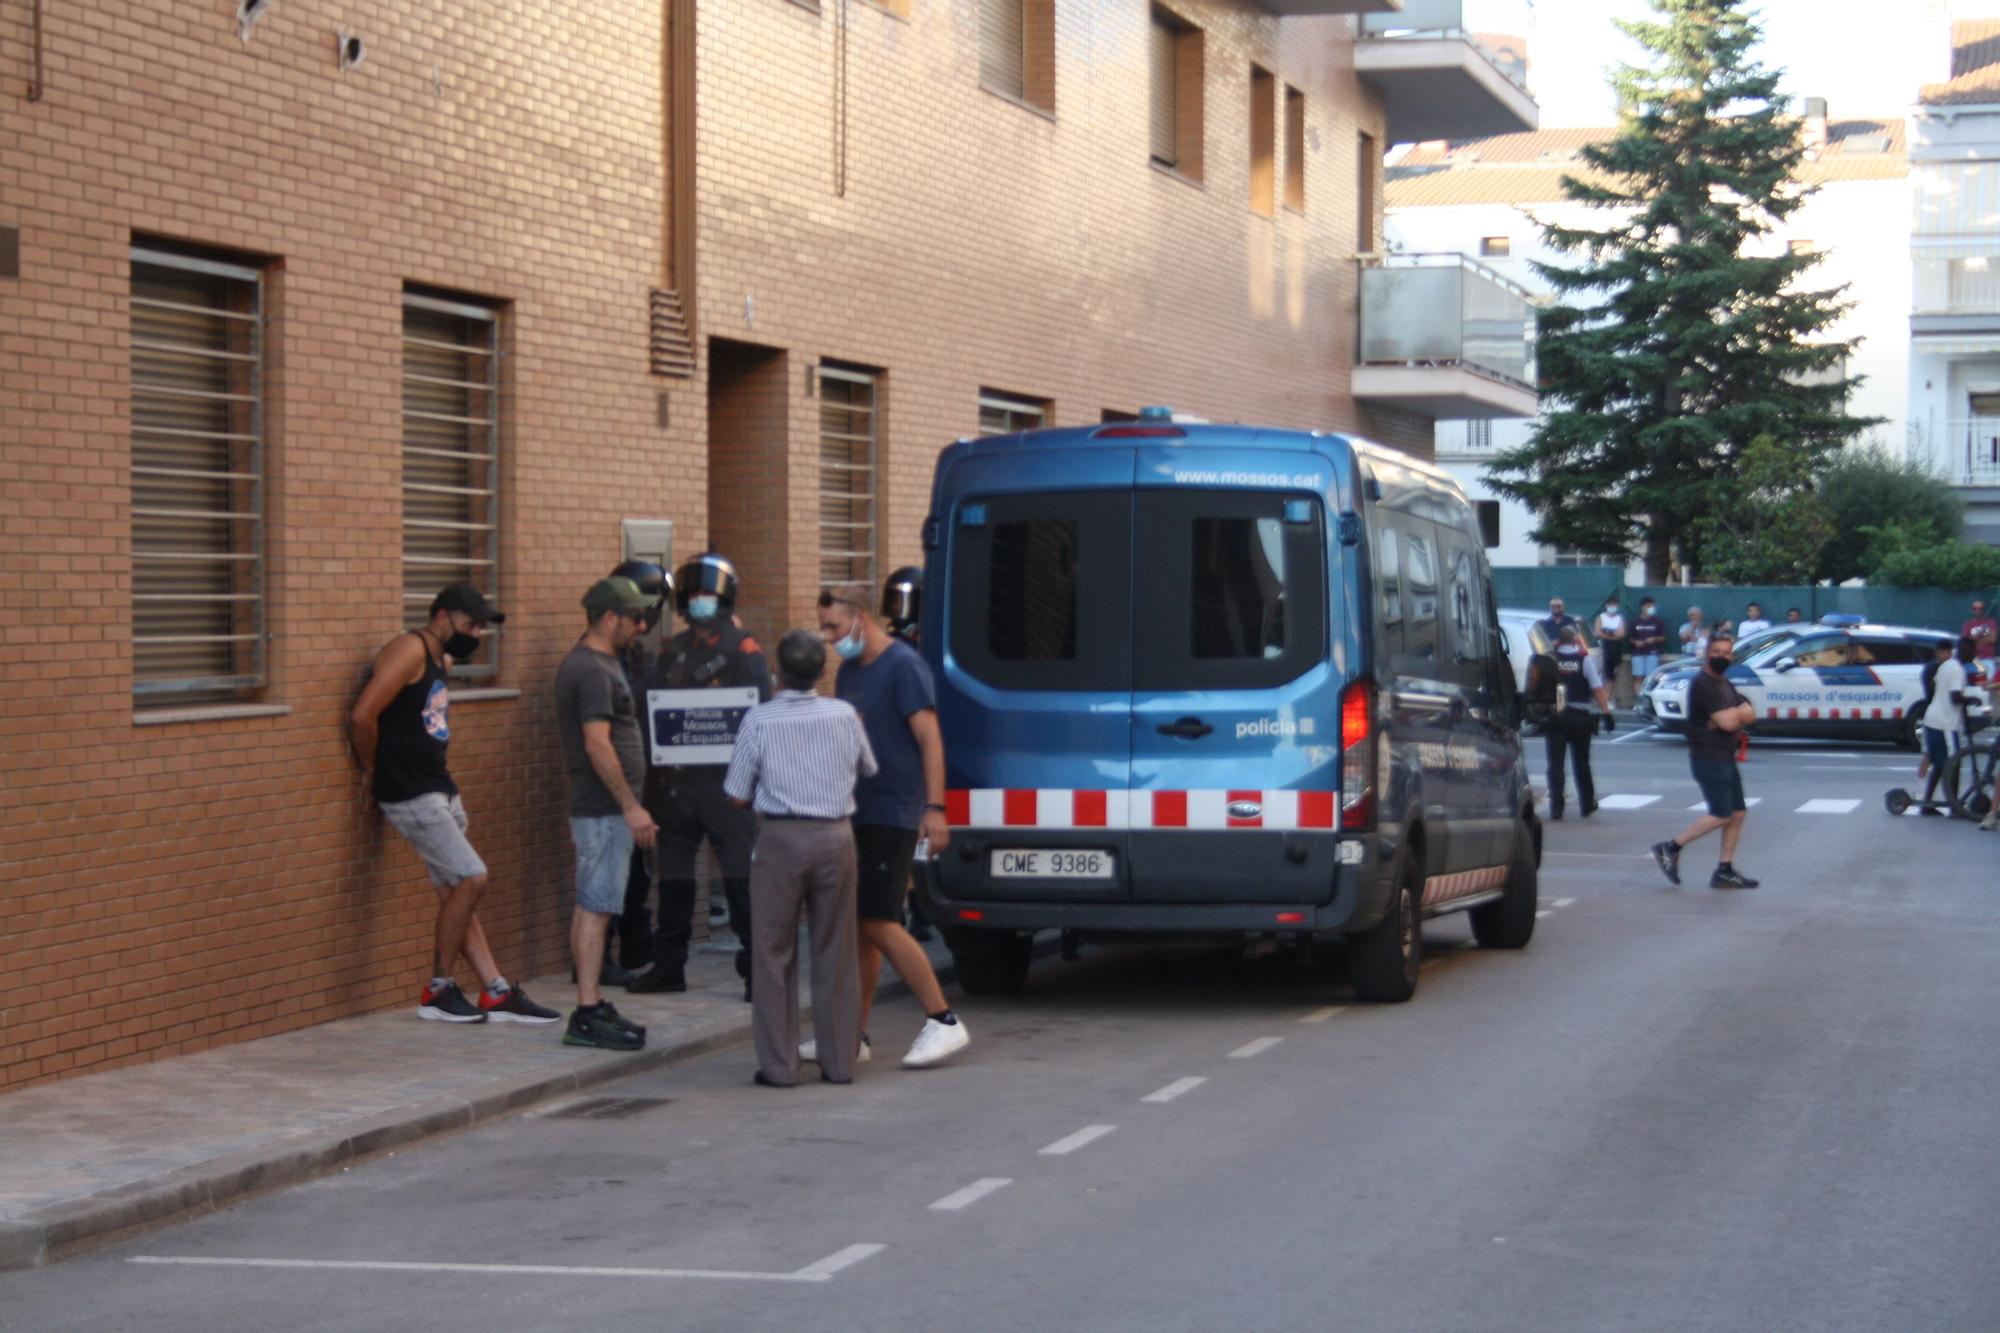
796 761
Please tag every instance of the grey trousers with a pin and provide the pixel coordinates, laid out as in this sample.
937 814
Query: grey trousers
804 866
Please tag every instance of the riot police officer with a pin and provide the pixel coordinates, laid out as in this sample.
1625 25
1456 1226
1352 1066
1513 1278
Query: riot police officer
713 652
902 601
1568 732
634 930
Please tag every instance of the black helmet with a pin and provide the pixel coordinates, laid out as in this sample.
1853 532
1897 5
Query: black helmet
708 573
655 582
903 597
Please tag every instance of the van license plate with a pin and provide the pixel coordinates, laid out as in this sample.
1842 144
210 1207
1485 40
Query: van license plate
1050 863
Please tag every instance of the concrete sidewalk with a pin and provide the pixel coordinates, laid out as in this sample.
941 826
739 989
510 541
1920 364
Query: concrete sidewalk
86 1158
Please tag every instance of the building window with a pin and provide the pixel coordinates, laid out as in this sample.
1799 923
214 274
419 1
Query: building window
197 475
1295 150
1496 246
1368 160
1489 522
1175 125
1263 142
451 454
1577 556
1017 50
1004 414
1478 435
847 452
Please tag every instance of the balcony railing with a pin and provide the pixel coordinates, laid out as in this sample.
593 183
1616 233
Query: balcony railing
1498 28
1445 310
1954 282
1966 453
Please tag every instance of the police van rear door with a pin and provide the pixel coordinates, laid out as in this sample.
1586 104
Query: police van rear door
1235 706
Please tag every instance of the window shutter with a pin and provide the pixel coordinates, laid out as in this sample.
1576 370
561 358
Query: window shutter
1163 120
1003 46
451 420
197 477
847 528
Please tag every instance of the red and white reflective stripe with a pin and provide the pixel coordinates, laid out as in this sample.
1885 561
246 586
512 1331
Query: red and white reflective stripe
1443 888
1831 714
1063 808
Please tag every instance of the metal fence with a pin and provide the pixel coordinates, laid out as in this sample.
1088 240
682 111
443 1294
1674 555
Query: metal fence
1585 588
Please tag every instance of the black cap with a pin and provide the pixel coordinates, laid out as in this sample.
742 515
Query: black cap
465 598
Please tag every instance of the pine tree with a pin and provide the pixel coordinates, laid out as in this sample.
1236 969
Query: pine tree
1667 350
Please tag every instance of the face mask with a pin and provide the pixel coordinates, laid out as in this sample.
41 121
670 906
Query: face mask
850 647
461 646
703 608
1718 665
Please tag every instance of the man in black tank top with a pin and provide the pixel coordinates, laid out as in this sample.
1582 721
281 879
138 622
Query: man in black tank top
400 728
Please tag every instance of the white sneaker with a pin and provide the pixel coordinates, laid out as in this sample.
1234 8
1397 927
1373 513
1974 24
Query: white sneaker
809 1052
936 1043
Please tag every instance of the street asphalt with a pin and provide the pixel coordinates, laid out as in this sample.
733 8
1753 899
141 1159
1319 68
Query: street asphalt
1677 1109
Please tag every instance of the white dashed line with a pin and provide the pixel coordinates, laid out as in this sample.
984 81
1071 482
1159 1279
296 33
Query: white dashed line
1629 802
1257 1047
1562 902
1827 806
821 1271
971 1194
1178 1087
1544 912
1083 1138
1750 803
1321 1015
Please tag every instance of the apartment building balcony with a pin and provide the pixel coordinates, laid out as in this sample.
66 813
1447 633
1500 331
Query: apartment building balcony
1306 8
1955 305
1444 338
1449 69
1965 453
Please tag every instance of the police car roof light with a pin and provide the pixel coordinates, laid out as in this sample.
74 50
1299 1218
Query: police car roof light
1842 619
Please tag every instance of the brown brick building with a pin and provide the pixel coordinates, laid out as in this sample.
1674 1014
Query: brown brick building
306 309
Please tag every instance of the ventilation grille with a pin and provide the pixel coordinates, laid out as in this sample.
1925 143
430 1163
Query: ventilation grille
672 344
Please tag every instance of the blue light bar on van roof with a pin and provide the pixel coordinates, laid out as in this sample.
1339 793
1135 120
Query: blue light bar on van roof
972 516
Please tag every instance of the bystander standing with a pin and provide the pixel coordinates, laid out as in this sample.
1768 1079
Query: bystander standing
1795 616
1694 635
1984 631
1753 622
1552 624
1649 638
1613 642
1715 714
796 760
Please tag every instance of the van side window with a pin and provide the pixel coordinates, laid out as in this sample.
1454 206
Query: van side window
1032 614
1237 588
1389 583
1420 632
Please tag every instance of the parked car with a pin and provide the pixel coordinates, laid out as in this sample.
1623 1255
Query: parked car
1217 681
1843 681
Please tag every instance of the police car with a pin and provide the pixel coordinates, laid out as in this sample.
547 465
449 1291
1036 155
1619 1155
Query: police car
1840 680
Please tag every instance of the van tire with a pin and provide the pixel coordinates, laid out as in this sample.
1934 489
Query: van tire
1382 962
1509 921
990 962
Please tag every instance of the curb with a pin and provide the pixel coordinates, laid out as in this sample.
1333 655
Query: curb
50 1235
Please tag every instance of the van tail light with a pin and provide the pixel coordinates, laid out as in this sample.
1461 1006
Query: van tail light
1358 739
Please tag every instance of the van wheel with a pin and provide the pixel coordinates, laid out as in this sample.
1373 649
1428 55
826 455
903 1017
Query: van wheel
990 962
1509 921
1382 963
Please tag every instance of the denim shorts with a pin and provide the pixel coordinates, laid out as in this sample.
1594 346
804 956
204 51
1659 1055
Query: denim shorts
1721 783
434 824
603 861
1644 665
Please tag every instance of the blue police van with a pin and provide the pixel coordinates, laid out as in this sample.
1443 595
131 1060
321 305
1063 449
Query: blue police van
1203 681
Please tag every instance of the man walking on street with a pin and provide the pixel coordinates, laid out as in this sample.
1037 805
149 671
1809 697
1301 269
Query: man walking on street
1716 714
891 687
400 728
796 759
1649 637
598 719
1569 731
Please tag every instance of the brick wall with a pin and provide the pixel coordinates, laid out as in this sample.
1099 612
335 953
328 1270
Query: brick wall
166 887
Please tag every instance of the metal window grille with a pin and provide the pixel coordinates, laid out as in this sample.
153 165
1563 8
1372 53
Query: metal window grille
197 477
1001 415
847 487
1003 46
1163 58
451 455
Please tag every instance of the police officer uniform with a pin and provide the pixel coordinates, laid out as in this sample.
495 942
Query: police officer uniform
1568 732
634 929
688 803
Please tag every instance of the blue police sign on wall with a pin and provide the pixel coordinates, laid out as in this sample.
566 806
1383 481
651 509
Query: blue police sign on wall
697 726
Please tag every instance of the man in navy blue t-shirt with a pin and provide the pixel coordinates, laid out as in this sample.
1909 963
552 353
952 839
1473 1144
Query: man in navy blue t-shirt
891 687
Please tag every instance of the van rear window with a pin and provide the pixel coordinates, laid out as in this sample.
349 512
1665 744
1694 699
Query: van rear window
1041 590
1031 614
1237 587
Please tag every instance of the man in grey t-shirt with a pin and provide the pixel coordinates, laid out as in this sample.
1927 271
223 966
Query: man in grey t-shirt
597 716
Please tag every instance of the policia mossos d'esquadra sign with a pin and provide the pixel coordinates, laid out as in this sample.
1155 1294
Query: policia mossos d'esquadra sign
697 727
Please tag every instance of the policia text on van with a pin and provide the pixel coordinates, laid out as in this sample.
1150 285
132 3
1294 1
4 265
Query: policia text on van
1272 701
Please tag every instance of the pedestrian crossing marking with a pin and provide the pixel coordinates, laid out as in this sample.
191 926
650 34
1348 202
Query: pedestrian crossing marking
1828 806
1631 802
1749 802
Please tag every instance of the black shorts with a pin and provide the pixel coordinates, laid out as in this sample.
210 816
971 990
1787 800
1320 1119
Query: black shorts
882 856
1721 783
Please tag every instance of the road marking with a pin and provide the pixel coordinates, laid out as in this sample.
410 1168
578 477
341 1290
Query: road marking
822 1271
1544 912
1257 1047
1321 1015
971 1194
1083 1138
1749 803
1828 806
1562 902
1602 856
1627 802
1174 1089
1633 736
